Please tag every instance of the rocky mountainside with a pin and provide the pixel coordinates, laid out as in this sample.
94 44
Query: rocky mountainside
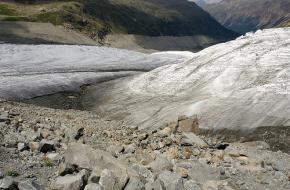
98 18
250 15
44 148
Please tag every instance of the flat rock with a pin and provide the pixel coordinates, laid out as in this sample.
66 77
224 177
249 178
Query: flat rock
86 157
70 182
30 185
169 181
192 140
134 184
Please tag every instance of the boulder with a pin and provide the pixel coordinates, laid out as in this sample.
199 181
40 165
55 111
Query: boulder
33 146
108 180
186 124
93 186
8 183
169 181
160 164
4 117
192 140
135 184
144 173
94 177
30 185
22 146
86 157
66 168
70 182
191 185
205 172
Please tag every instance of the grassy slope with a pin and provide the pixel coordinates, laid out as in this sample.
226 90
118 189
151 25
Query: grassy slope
143 17
247 15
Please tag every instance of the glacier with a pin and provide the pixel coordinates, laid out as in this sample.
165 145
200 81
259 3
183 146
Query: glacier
28 71
242 84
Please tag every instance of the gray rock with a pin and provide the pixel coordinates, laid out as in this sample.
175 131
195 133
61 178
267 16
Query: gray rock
66 168
70 182
30 185
129 149
86 157
22 146
192 139
115 150
4 116
169 181
186 124
8 183
93 186
95 177
191 185
108 180
144 173
46 146
160 164
135 184
205 172
149 186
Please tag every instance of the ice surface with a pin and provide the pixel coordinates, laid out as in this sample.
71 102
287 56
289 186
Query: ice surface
241 84
28 71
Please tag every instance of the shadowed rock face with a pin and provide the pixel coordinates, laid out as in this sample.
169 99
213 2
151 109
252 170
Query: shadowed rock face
241 84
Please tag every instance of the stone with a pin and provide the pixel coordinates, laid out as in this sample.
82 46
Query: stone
93 186
44 133
187 152
34 146
46 146
130 149
86 157
172 153
186 124
160 164
115 150
30 185
56 157
190 139
204 173
66 168
165 132
8 183
107 180
149 186
144 173
169 181
22 146
134 184
191 185
70 182
4 117
95 177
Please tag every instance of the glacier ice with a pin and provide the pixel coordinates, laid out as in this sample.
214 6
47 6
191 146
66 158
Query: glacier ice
241 84
28 71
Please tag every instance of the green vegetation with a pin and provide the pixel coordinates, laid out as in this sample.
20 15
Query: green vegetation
98 18
6 10
47 162
12 173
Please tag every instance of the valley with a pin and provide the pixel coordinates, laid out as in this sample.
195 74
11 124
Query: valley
144 95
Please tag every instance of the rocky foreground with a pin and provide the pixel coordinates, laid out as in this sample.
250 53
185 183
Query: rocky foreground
44 148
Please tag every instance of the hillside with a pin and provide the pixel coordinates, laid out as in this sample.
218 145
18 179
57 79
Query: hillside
97 18
250 15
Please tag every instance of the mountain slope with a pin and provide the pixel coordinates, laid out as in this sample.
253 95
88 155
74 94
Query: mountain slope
250 15
97 18
242 84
